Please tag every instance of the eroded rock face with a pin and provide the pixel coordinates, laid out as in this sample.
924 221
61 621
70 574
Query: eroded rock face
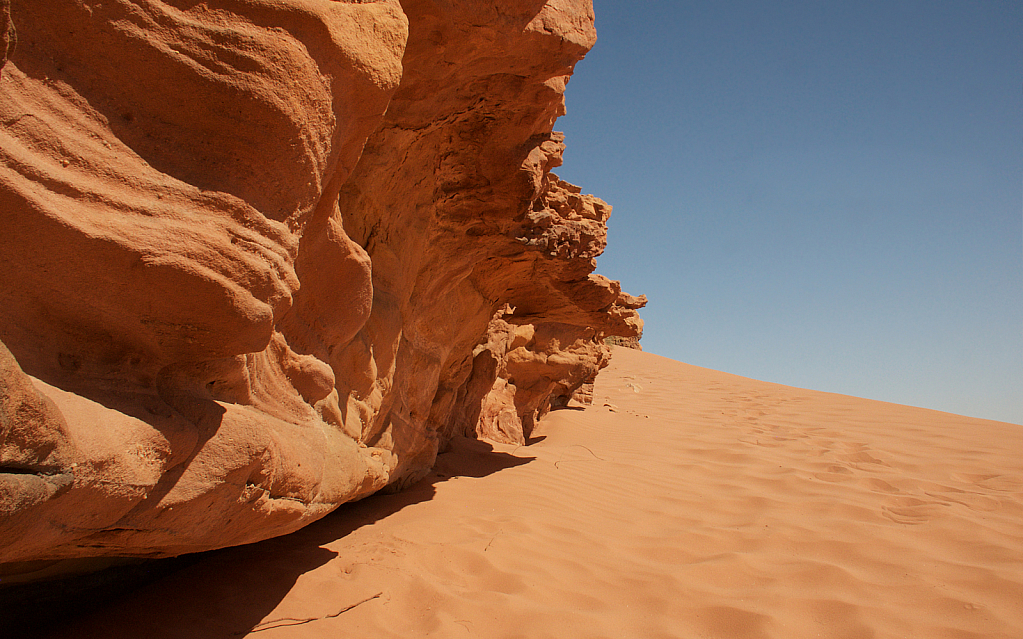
263 257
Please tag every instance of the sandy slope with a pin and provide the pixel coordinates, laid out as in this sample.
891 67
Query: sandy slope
703 505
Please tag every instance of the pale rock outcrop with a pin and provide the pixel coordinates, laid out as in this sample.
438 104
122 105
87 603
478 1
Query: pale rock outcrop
263 257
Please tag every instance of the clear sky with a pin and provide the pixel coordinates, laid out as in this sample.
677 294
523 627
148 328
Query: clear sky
820 194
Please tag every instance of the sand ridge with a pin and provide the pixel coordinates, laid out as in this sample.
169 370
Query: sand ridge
684 503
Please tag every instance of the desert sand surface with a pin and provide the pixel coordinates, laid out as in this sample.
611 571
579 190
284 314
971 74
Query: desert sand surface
684 503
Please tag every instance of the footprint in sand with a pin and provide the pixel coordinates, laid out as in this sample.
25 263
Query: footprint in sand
863 457
880 486
913 511
1000 483
835 474
857 454
975 500
765 442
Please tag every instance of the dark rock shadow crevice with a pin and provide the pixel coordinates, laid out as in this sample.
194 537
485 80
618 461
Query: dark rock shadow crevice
223 593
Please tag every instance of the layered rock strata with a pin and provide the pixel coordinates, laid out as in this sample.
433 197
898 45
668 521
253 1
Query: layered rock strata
263 257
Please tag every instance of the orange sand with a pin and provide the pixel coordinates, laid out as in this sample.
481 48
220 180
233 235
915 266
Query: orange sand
703 505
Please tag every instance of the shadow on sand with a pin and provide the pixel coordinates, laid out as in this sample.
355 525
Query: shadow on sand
234 587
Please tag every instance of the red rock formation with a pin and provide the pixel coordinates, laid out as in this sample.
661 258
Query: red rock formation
262 257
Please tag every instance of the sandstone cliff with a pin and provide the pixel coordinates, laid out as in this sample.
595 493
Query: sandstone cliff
263 257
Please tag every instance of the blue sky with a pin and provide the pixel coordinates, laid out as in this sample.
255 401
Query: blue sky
826 195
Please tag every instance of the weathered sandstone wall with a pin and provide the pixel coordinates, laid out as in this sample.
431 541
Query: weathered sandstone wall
263 257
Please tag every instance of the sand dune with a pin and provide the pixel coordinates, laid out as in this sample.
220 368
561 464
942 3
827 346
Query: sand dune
693 504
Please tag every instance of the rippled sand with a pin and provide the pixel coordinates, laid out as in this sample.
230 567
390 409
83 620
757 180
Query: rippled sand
683 503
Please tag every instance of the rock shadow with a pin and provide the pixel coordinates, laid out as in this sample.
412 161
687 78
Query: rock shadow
226 593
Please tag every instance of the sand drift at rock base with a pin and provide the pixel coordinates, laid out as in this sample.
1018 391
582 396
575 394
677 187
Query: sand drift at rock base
701 505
